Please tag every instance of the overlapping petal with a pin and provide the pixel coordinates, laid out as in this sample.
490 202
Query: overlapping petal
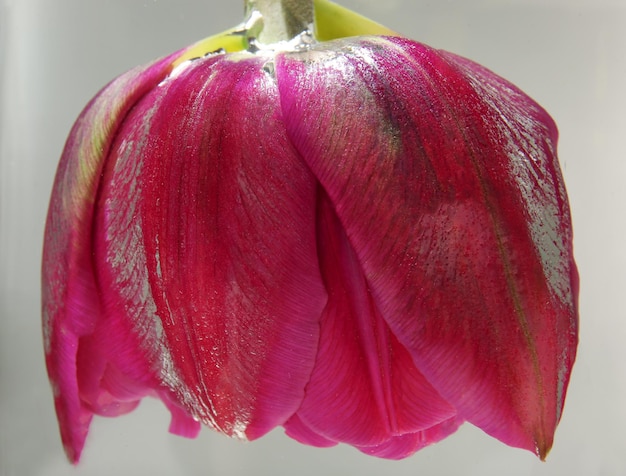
206 233
365 389
366 242
446 180
71 302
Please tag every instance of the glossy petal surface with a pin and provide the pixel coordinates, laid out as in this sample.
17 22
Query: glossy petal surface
71 304
367 242
446 181
206 242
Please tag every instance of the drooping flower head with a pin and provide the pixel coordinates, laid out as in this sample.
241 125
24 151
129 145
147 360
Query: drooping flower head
359 238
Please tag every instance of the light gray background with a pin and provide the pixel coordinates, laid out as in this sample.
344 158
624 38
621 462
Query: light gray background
570 55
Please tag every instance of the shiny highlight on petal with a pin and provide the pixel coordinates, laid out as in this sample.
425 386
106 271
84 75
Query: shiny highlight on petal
365 241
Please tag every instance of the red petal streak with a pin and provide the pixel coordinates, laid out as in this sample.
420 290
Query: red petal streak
455 208
71 306
364 389
209 218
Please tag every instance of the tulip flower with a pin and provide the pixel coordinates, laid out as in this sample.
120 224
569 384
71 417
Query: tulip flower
337 230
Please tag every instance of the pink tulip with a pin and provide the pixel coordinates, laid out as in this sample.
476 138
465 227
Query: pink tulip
364 241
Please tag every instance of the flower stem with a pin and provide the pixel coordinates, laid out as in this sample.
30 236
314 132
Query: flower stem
279 20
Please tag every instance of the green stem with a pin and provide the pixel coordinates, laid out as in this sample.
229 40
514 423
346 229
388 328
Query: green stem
273 21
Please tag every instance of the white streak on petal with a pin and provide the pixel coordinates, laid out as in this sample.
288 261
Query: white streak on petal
526 148
127 256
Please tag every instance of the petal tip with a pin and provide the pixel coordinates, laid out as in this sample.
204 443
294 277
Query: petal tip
543 447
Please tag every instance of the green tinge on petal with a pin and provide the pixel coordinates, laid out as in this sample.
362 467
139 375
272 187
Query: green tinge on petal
229 41
70 299
333 21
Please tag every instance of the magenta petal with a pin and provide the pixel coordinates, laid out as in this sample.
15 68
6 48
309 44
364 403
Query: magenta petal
446 180
366 242
364 389
301 432
206 242
182 423
71 307
405 445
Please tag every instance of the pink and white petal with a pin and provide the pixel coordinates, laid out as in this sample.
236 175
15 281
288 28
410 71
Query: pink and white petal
70 301
364 388
470 268
208 216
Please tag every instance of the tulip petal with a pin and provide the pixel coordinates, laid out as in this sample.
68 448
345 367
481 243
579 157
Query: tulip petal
402 446
206 241
364 389
446 180
301 432
70 298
